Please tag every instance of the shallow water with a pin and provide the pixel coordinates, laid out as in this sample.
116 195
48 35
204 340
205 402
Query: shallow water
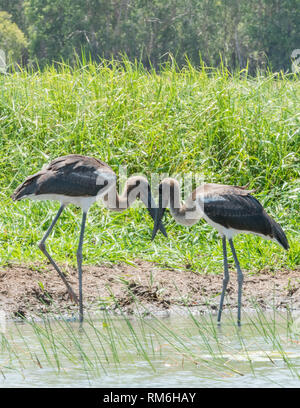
176 351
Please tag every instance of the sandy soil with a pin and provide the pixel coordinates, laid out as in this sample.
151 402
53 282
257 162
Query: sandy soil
30 290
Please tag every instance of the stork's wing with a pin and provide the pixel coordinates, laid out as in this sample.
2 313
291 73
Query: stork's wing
78 162
72 175
234 207
75 175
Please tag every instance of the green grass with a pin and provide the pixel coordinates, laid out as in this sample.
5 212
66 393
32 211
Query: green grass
228 128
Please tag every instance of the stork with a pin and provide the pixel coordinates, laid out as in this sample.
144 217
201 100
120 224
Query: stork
81 180
230 210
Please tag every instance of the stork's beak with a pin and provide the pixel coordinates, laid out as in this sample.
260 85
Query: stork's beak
153 214
158 216
160 226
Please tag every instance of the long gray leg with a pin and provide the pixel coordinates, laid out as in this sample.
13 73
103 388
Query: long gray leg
240 279
225 280
42 247
79 263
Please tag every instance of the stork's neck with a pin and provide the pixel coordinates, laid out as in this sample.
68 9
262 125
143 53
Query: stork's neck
185 214
135 187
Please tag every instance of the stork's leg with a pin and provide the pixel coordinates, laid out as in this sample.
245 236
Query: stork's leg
79 263
240 279
225 280
42 247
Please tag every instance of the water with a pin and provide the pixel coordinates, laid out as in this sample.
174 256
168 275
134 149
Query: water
176 351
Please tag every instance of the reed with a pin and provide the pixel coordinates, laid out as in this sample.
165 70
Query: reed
109 346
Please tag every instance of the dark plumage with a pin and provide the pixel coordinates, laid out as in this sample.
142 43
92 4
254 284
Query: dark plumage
236 208
73 175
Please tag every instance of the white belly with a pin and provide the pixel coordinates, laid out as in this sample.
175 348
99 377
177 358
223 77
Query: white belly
229 233
83 202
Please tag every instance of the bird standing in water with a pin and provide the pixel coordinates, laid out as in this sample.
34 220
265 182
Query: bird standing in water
81 180
229 209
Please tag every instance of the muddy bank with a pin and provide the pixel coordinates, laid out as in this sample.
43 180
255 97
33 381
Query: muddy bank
29 290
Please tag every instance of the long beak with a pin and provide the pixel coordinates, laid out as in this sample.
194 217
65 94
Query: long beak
159 214
153 214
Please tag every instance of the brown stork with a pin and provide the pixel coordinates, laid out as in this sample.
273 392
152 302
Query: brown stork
229 209
81 180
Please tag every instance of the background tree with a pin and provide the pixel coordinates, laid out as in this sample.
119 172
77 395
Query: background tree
258 32
272 28
12 39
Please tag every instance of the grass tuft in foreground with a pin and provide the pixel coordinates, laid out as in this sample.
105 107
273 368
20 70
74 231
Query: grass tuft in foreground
191 350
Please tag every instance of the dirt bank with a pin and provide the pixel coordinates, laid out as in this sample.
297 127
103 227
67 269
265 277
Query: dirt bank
30 290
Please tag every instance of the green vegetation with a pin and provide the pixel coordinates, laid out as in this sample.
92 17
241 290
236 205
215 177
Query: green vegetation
12 39
127 350
238 32
228 128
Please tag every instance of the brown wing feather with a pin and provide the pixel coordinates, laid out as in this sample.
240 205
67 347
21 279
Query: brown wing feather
75 161
71 175
234 207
